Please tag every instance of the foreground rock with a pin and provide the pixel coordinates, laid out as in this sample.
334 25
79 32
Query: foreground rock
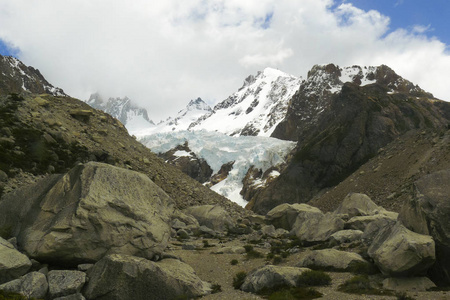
398 251
121 277
332 259
408 284
13 264
356 204
64 283
214 217
428 213
31 285
271 276
93 210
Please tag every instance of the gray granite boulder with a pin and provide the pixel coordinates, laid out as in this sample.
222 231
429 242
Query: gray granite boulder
13 264
331 259
31 285
214 217
64 282
94 210
121 277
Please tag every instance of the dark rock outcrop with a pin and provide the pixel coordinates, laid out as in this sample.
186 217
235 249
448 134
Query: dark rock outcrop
339 131
188 162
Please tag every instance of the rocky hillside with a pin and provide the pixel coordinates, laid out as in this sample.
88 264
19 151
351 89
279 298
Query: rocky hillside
340 126
17 78
131 115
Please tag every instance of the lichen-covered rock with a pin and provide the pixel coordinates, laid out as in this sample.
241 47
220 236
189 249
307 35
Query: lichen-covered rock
13 264
271 276
214 217
285 215
331 259
122 277
398 251
63 282
31 285
93 210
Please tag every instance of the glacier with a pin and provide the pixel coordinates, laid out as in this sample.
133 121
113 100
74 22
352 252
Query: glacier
218 148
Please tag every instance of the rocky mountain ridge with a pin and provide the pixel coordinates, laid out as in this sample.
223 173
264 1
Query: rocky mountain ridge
18 78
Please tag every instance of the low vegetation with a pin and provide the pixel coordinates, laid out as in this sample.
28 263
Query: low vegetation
239 279
290 293
360 284
314 278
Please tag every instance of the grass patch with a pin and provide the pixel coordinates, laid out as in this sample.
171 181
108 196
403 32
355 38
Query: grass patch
234 262
289 293
13 296
206 244
360 284
403 296
314 278
277 260
239 279
252 253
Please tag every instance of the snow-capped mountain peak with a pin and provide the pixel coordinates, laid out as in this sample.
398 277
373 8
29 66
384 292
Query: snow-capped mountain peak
256 108
131 115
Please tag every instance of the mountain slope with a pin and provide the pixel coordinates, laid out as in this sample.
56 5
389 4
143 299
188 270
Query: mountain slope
255 109
131 115
43 134
340 129
16 77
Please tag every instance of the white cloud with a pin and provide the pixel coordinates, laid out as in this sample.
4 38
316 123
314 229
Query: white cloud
162 54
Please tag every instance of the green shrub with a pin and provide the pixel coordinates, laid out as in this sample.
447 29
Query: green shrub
216 288
270 256
234 262
277 259
248 248
251 253
290 293
363 268
314 278
239 279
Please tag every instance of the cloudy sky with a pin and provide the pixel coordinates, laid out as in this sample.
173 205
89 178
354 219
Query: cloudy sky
164 53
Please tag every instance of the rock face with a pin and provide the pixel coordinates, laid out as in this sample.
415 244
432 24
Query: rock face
118 277
339 126
398 251
93 210
270 276
13 264
331 259
428 213
212 216
188 162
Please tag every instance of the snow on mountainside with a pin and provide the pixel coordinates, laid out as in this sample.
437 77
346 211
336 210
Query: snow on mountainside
255 109
191 113
16 77
134 118
218 149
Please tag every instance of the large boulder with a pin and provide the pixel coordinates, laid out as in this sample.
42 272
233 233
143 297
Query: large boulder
412 284
356 204
271 276
122 277
398 251
428 213
13 264
212 216
345 236
315 227
285 215
361 222
32 285
332 259
94 210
